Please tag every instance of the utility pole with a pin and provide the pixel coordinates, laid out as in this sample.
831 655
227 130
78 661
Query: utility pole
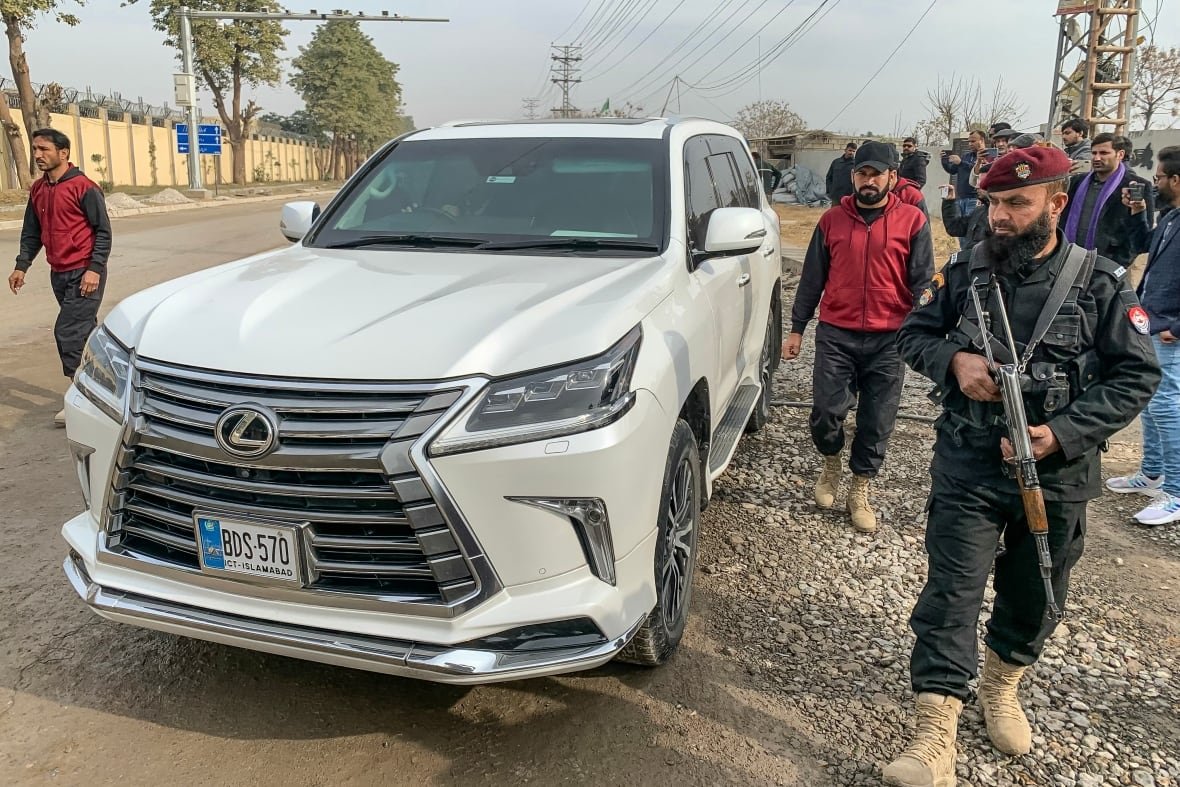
1095 64
565 74
186 83
530 107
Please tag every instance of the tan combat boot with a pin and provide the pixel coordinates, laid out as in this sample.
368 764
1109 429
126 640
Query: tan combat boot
829 481
1007 725
930 759
863 518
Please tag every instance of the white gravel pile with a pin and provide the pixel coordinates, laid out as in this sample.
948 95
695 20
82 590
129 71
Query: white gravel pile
820 614
168 197
121 201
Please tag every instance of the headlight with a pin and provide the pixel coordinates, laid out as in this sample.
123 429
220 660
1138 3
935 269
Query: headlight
553 402
105 373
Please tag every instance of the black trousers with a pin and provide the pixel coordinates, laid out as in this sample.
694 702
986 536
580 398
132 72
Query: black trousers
962 526
77 317
852 365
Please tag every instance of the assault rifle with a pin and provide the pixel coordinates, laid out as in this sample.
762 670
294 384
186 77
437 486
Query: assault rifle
1007 377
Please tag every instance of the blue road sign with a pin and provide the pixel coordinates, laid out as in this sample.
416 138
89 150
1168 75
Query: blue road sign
208 138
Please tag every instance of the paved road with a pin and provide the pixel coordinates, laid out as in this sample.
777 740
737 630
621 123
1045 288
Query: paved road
84 701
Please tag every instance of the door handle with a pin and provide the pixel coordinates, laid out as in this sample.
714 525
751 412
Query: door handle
743 280
769 252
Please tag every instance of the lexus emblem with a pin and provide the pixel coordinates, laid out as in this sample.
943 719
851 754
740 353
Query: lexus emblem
246 430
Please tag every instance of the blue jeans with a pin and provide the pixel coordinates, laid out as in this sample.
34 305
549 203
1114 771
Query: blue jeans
965 206
1161 421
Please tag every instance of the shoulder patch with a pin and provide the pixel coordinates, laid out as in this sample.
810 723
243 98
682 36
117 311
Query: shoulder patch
926 297
1139 319
959 257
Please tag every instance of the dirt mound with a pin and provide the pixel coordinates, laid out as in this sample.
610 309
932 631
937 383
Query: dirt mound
168 197
121 201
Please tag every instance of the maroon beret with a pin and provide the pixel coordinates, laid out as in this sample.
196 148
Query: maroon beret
1025 167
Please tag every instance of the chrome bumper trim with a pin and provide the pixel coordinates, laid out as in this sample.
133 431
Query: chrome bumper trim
395 657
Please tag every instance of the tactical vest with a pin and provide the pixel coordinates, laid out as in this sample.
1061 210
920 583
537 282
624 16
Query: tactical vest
1055 368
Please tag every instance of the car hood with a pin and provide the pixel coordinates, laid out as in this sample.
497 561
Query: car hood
392 314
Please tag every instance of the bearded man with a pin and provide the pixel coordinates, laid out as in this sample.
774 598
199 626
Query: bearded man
869 256
1089 368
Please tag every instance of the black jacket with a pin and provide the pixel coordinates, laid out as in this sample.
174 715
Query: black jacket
974 227
913 166
839 180
1118 231
1111 370
1159 290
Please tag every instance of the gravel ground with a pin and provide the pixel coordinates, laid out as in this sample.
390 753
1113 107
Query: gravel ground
827 624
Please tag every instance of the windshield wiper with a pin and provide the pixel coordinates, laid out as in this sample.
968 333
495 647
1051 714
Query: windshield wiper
573 244
407 240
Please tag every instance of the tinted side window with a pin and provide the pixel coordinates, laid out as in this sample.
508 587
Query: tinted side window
725 179
698 182
747 178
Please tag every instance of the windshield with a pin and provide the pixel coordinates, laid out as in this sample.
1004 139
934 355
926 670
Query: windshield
508 192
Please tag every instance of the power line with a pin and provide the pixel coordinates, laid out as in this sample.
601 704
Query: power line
571 24
637 47
605 9
620 21
644 78
735 79
627 30
896 49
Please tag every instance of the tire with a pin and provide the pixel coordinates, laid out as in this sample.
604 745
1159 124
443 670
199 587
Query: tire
766 367
675 555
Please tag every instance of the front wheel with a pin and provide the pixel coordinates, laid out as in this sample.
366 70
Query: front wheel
675 556
766 366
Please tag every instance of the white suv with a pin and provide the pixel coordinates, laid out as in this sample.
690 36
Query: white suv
463 429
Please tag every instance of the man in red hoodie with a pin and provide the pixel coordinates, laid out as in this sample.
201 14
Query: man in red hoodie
868 259
67 216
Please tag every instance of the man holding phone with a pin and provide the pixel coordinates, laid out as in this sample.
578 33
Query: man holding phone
961 167
1159 294
1096 217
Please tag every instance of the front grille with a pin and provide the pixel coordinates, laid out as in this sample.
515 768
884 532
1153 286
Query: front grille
342 466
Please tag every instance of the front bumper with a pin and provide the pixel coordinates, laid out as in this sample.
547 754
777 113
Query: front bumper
390 656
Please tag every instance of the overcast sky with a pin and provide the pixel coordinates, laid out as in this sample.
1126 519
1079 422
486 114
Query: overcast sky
492 54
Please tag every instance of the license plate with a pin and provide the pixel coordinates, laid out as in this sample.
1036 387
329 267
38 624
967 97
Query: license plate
252 549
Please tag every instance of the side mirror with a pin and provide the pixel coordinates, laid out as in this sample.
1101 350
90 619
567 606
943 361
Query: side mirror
297 218
735 230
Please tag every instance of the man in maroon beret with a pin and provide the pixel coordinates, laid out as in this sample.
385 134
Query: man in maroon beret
1088 368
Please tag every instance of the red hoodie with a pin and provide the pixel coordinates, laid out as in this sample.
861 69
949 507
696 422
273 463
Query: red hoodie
864 277
68 218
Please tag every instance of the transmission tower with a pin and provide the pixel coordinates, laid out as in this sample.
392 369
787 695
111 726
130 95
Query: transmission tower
530 107
1095 64
565 74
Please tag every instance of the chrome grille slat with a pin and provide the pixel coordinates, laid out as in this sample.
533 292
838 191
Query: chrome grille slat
408 544
161 537
267 487
340 473
276 512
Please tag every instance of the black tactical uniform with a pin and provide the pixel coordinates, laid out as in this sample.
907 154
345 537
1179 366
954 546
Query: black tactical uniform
1089 376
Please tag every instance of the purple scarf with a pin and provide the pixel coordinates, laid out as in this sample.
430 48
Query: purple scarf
1079 200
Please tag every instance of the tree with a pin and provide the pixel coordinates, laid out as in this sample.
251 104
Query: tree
1157 83
228 57
350 90
19 16
767 119
956 104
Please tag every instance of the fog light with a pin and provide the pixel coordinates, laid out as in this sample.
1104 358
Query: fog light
81 454
592 526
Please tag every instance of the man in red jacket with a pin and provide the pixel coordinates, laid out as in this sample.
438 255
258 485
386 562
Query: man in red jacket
869 258
67 216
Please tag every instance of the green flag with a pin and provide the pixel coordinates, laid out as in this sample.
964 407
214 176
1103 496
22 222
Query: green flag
605 107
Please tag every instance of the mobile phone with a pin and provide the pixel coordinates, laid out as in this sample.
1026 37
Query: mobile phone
1135 191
